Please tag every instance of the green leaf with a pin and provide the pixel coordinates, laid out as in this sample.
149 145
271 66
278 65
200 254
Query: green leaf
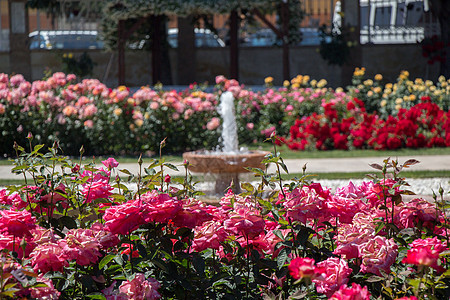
282 257
96 295
374 278
171 166
199 264
68 222
125 171
247 186
105 260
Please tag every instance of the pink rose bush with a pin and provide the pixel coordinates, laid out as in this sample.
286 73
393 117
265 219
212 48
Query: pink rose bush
64 237
305 113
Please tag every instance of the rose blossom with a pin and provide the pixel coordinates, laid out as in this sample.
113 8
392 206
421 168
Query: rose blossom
81 245
141 288
213 123
110 163
48 257
210 235
246 221
125 218
355 292
47 292
336 272
425 252
18 223
303 267
159 207
378 253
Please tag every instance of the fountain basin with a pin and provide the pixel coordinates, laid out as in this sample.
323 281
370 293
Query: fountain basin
217 163
225 167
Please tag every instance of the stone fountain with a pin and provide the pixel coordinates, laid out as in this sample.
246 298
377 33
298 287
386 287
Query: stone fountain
228 162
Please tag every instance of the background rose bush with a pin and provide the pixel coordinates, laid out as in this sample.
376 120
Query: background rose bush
307 114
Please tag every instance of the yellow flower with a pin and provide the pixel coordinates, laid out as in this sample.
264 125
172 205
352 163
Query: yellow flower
339 90
377 90
437 93
139 122
394 88
146 115
132 127
70 55
378 77
321 83
360 86
130 101
388 91
398 106
313 83
268 80
421 88
286 83
295 85
117 111
405 73
305 79
65 55
444 84
370 93
368 82
122 88
383 103
384 95
441 78
398 101
406 98
389 85
418 81
428 83
432 88
412 97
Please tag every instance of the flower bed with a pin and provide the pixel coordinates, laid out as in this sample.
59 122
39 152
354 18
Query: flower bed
80 233
305 112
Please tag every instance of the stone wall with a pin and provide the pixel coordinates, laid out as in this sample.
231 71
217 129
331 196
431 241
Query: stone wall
255 64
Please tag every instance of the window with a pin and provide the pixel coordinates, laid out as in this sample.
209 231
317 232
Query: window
383 16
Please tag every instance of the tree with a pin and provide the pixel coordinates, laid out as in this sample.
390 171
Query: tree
441 9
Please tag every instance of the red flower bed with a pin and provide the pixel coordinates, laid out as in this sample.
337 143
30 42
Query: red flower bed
423 125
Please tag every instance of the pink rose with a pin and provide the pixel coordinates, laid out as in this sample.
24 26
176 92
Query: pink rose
378 253
246 221
125 218
355 292
425 252
141 288
48 257
110 163
303 267
81 245
209 235
213 123
336 272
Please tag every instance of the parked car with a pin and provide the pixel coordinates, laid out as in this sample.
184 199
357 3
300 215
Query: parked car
266 37
203 38
65 39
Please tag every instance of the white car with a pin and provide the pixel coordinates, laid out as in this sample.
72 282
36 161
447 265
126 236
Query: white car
64 39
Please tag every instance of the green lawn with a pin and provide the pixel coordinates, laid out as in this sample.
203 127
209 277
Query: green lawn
286 153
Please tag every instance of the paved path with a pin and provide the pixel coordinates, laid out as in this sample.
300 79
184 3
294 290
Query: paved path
314 165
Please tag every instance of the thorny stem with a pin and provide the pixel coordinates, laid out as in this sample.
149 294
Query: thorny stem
139 178
278 170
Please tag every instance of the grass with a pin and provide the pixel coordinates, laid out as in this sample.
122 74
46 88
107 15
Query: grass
314 176
286 153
